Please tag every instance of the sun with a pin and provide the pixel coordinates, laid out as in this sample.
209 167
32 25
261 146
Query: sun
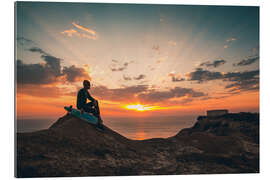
140 107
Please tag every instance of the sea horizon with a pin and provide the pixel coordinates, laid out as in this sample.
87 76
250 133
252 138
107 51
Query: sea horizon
135 128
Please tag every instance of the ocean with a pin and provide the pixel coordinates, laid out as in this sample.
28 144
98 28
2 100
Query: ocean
137 128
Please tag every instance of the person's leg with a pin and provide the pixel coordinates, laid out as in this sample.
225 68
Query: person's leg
89 108
96 106
97 112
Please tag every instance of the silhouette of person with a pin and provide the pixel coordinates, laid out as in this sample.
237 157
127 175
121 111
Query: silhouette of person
90 107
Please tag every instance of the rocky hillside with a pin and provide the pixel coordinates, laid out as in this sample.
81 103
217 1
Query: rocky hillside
72 147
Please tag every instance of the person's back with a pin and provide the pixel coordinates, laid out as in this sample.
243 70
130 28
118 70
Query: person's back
81 98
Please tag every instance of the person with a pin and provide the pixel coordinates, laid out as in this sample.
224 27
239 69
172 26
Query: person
90 107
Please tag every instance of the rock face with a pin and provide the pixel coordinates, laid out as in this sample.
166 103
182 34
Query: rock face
72 147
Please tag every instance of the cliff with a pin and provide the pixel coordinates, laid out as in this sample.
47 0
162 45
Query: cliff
71 147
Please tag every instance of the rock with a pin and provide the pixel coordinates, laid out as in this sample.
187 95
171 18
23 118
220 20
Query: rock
72 147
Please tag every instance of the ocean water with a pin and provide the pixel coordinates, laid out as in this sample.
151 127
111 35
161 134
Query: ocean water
31 125
133 128
150 127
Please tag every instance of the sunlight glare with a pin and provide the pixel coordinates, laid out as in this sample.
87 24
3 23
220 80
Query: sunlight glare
140 107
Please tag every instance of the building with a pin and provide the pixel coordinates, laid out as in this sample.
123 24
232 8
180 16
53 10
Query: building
218 112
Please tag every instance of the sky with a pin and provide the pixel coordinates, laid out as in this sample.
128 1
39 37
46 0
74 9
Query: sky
142 60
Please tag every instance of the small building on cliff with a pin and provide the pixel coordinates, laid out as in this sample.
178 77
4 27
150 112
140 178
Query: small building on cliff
218 112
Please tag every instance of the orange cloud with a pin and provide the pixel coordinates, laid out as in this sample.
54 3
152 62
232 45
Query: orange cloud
87 32
176 77
90 31
231 39
70 32
88 36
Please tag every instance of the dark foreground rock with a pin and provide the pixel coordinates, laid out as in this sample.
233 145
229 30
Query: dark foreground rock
72 147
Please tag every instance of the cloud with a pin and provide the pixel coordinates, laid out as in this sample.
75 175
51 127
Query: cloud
35 73
24 41
236 76
201 75
88 36
127 78
239 81
52 63
70 32
214 64
176 77
74 74
47 72
143 94
122 94
247 85
119 68
116 66
141 76
88 30
242 81
153 96
231 39
36 49
156 48
247 61
83 32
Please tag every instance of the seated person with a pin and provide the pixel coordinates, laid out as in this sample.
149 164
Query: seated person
90 107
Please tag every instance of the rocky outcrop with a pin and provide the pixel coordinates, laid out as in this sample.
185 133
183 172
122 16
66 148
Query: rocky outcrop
72 147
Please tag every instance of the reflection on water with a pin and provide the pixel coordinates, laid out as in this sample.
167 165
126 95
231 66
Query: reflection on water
132 128
140 135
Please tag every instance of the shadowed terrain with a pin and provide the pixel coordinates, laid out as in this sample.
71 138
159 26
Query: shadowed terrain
72 147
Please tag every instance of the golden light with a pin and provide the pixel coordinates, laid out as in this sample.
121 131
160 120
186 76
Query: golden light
140 107
140 135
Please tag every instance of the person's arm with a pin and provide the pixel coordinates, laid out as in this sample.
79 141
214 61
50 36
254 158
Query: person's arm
90 97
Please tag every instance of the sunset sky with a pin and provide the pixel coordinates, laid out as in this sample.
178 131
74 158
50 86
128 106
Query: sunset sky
142 60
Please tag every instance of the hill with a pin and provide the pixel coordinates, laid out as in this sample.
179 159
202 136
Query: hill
72 147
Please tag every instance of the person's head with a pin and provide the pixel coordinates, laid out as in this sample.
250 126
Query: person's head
86 84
